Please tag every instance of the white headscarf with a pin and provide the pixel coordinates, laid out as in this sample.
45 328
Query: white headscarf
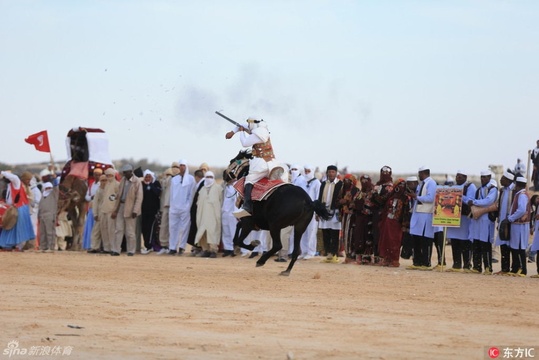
47 189
33 182
184 162
148 171
209 178
310 175
254 122
297 172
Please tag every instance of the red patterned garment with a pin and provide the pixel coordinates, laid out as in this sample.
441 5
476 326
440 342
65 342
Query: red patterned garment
261 189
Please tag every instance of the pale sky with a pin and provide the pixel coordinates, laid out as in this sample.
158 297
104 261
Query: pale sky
447 84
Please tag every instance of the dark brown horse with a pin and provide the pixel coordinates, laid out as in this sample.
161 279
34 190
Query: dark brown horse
288 205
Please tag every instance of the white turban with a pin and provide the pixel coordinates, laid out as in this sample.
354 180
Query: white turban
209 178
184 162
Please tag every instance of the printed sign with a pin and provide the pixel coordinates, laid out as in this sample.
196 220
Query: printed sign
447 206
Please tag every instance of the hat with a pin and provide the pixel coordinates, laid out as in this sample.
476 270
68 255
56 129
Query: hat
521 180
204 167
411 178
168 171
486 173
27 175
175 164
127 167
98 171
110 171
182 162
508 175
103 178
331 167
44 172
138 172
423 168
462 172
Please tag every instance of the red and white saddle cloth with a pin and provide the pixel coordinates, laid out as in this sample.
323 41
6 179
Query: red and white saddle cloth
261 189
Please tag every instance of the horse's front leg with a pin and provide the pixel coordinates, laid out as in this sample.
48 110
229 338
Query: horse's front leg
277 245
242 231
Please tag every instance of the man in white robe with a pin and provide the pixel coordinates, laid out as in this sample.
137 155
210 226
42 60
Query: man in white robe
182 190
229 221
309 238
256 134
209 204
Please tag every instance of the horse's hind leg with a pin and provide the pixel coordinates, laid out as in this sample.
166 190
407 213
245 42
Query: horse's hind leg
277 245
299 229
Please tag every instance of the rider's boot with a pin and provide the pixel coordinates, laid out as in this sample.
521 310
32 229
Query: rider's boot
247 207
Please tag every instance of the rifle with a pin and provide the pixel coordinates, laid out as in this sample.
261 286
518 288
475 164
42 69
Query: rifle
233 122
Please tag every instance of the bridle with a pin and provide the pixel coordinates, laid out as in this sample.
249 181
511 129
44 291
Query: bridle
236 168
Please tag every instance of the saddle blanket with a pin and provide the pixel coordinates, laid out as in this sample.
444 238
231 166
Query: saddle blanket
261 189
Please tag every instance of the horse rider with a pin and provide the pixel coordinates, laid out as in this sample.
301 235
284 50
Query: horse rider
255 134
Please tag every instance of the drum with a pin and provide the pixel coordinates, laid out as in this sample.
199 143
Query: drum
8 215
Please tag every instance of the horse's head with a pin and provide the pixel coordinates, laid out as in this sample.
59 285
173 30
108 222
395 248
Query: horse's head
238 167
71 195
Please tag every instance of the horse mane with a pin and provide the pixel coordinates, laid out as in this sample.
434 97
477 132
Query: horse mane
242 154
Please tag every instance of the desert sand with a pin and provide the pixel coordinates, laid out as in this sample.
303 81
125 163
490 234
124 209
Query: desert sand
89 306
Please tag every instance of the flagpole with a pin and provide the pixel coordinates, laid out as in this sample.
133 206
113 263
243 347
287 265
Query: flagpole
52 160
528 169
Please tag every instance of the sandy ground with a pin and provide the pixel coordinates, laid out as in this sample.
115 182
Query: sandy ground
171 307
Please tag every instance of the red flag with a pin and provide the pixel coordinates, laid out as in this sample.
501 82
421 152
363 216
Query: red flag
40 140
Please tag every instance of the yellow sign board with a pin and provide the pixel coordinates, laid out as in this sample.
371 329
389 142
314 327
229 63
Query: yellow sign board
447 206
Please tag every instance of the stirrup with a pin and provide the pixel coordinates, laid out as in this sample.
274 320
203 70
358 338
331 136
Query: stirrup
241 213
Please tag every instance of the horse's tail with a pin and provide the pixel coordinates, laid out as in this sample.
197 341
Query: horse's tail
321 210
